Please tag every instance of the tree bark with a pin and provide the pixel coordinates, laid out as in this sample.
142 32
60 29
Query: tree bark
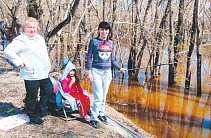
149 5
199 58
170 77
192 43
160 35
133 50
103 10
51 17
178 38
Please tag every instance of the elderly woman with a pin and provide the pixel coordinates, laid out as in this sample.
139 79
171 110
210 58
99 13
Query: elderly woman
28 52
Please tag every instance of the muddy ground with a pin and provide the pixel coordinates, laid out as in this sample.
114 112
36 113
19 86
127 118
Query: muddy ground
12 92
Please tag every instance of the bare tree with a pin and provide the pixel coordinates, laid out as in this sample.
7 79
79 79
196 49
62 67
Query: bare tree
178 38
63 23
192 43
13 30
170 76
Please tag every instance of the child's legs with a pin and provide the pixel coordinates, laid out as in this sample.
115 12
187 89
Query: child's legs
87 103
82 102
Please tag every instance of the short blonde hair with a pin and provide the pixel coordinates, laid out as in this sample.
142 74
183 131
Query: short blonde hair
5 20
29 19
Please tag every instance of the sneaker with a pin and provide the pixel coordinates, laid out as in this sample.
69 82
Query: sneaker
87 118
95 124
102 119
38 121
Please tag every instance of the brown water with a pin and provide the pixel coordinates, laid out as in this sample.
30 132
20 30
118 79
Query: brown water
166 112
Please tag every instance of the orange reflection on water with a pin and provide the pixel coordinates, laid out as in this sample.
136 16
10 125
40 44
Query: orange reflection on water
164 113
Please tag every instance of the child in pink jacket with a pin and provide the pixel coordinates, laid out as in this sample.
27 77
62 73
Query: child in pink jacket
71 85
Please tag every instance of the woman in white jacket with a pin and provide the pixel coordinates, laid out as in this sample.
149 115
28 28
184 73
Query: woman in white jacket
28 52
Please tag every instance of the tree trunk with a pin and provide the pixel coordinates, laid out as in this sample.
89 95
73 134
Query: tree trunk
151 59
51 17
160 35
199 59
78 48
170 77
192 42
133 51
198 64
178 38
149 5
103 10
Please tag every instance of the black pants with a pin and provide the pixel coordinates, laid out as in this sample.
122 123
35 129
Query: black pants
32 87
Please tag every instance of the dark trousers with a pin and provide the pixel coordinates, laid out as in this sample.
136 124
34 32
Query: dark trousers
32 87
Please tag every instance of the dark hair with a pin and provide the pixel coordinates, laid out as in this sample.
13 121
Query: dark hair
77 81
105 25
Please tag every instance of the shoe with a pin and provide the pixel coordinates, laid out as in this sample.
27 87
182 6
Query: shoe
102 119
43 113
38 121
87 118
95 124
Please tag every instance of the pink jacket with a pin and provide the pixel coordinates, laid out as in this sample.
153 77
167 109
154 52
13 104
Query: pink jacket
65 85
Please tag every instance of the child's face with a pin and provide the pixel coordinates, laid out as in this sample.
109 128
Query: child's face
72 73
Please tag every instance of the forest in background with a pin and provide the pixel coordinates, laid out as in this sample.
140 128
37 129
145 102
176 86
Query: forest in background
141 29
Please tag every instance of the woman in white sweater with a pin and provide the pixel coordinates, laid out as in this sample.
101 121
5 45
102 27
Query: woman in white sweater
28 52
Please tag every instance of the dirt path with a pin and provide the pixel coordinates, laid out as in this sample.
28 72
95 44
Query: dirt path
12 92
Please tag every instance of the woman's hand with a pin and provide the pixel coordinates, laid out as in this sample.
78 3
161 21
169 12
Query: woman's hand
21 65
123 70
90 77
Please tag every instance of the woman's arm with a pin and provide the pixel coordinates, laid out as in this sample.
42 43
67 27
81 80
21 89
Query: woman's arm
89 61
11 53
89 55
90 77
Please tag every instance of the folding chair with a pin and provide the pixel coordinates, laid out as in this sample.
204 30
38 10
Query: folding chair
67 98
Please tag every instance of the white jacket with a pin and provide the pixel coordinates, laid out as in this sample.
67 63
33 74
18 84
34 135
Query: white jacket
33 53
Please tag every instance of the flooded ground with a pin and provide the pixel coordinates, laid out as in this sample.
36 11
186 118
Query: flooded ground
161 110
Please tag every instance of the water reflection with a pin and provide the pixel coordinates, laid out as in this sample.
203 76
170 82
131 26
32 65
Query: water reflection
160 110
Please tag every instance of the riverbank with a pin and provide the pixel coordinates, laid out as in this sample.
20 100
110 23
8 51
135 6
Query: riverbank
12 92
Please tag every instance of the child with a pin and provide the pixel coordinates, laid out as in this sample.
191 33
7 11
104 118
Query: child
71 85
